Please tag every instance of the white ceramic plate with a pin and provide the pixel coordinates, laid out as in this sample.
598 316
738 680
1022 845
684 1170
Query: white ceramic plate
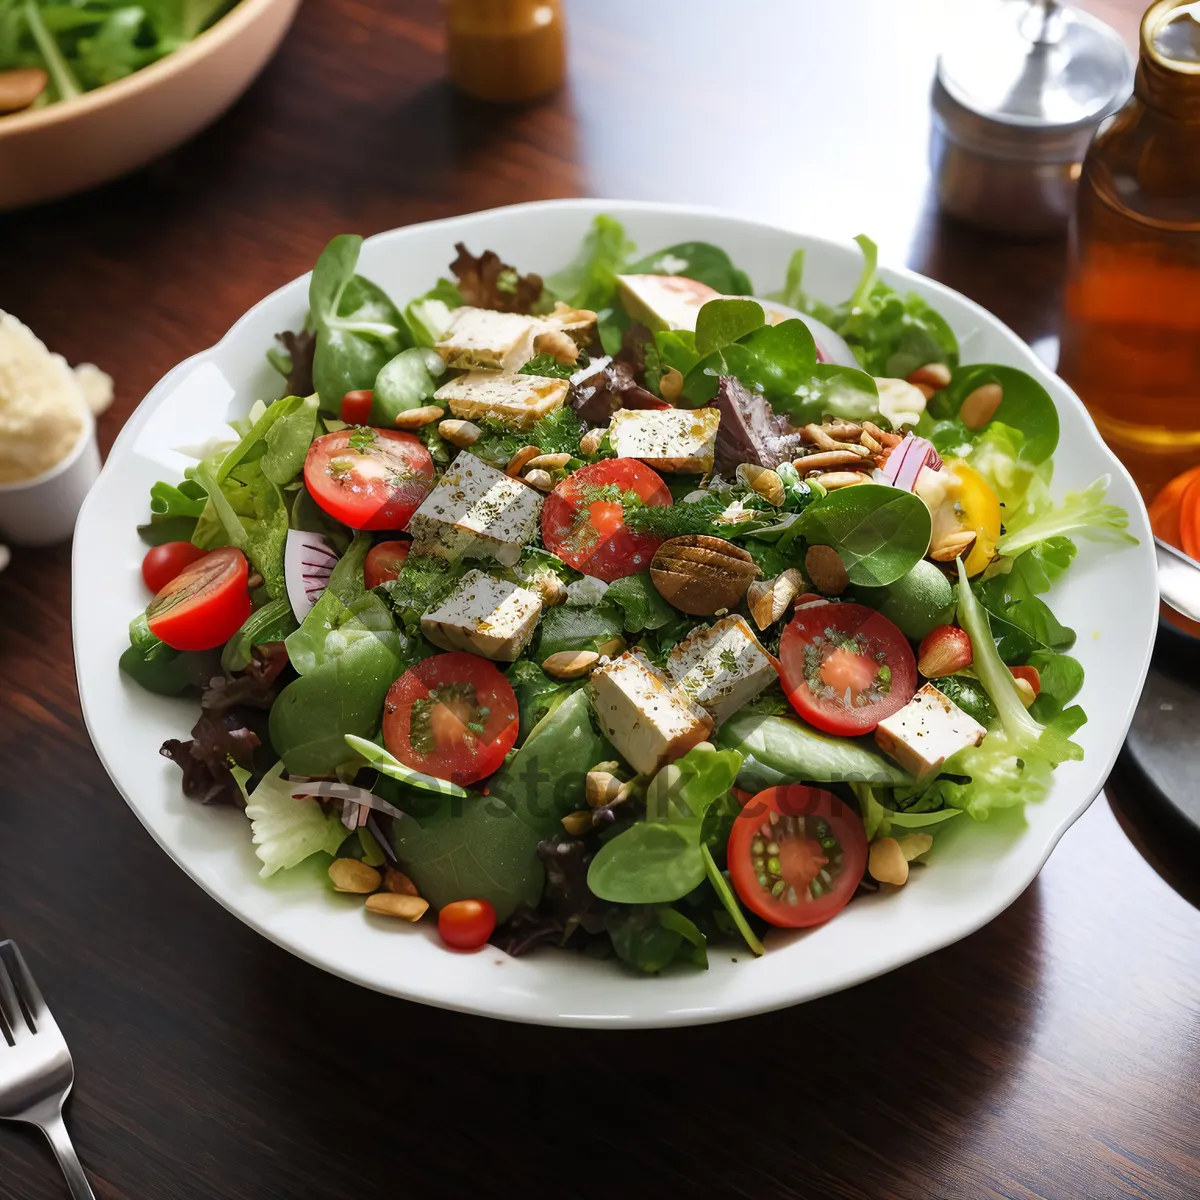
976 870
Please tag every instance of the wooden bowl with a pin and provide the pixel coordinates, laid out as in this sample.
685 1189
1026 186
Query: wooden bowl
65 148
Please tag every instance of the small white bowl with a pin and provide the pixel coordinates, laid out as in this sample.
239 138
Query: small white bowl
41 511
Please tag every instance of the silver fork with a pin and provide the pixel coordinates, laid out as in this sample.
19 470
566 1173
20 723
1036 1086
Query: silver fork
36 1072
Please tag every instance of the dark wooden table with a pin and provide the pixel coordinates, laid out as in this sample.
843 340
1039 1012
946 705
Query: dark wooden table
1054 1054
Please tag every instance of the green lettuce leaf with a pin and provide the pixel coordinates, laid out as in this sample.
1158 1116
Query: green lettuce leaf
1081 514
286 831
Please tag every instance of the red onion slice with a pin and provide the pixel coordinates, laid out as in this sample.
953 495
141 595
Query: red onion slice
308 561
904 463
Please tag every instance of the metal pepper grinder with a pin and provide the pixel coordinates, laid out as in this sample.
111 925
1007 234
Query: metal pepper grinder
1020 90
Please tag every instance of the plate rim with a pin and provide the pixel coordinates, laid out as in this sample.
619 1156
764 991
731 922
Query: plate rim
507 1008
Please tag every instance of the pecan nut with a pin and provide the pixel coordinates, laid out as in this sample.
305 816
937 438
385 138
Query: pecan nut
702 575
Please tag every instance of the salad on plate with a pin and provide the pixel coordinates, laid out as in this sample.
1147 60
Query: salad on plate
623 610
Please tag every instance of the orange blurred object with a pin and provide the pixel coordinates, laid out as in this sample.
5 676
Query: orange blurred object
1175 518
506 51
1131 338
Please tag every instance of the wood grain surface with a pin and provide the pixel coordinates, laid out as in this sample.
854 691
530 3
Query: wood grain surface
1053 1054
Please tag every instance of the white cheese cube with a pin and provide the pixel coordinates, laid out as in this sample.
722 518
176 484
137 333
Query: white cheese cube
481 338
476 512
671 439
926 732
648 722
484 615
514 400
721 667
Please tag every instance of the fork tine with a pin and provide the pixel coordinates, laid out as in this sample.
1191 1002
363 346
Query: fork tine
27 988
10 1008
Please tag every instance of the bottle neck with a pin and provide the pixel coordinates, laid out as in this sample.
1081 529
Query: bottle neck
1174 93
1168 72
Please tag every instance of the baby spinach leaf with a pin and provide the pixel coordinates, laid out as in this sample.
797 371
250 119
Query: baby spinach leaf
640 602
359 329
969 694
569 628
1026 407
537 694
880 532
1061 678
343 694
487 847
721 322
288 440
778 750
1021 623
701 261
167 672
406 381
659 860
651 937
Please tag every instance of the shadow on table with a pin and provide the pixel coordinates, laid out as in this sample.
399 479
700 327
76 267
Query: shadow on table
734 1108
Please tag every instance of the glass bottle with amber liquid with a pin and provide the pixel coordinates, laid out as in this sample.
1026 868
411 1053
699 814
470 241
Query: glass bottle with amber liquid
1131 337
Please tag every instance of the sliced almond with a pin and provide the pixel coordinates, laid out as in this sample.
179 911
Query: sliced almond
521 460
460 433
557 344
887 863
887 440
20 87
548 462
832 480
671 384
981 405
578 823
571 664
828 460
399 883
542 480
418 418
392 904
590 442
956 545
769 600
351 875
551 589
934 375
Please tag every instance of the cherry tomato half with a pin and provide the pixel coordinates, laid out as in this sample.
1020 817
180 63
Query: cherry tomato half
796 855
369 478
845 667
467 924
356 406
452 715
384 562
583 520
205 604
163 563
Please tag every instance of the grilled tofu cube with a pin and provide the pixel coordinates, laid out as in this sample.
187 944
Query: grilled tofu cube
721 667
476 512
648 721
671 439
479 338
484 615
926 732
514 400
